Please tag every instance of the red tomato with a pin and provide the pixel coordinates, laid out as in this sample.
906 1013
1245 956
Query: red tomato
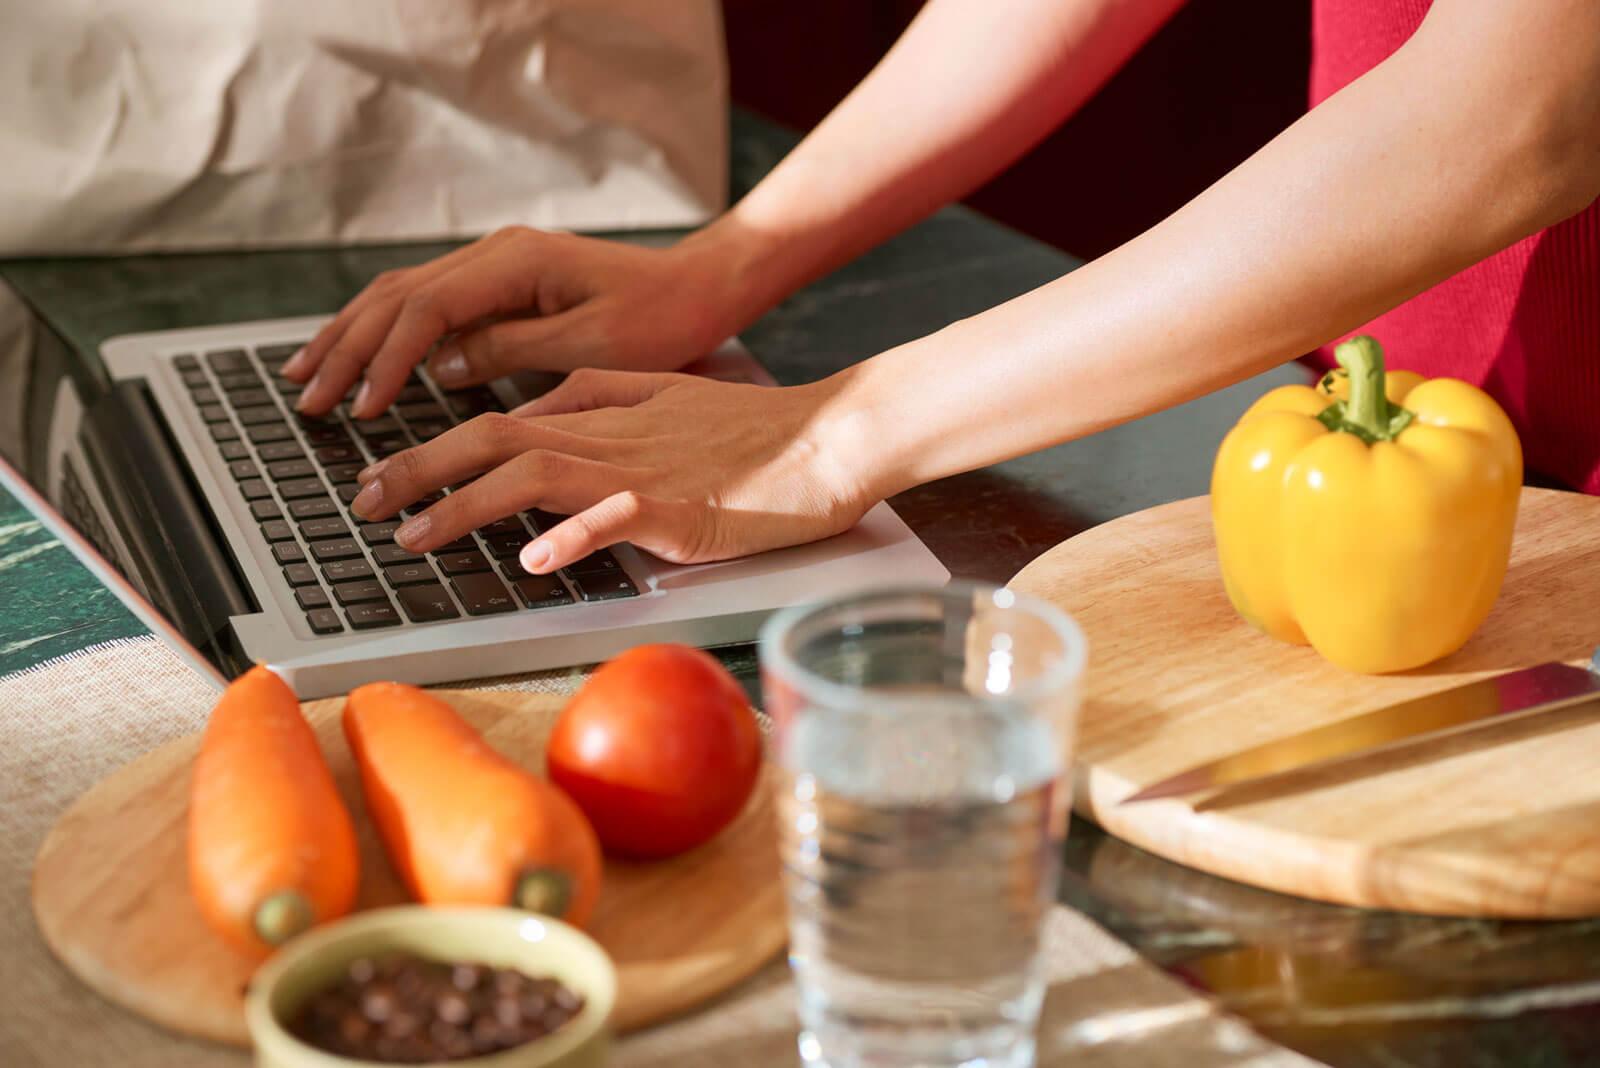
659 749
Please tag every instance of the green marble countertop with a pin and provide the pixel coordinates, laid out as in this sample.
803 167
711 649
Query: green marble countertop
1354 989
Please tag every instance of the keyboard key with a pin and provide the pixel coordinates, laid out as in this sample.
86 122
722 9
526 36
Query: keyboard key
346 570
277 530
394 554
427 604
337 549
375 428
379 533
227 361
265 510
248 398
313 508
428 429
301 468
213 413
462 563
359 592
463 544
542 520
288 552
502 546
295 488
326 527
386 445
467 403
324 621
343 472
311 597
599 562
300 575
221 432
605 587
348 491
255 490
289 391
281 450
411 574
279 354
197 380
482 594
416 393
541 591
324 432
509 525
338 454
234 450
270 432
372 614
186 363
243 469
259 415
428 410
237 380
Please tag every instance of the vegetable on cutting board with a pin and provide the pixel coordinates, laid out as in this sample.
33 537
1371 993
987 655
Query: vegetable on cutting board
659 748
462 824
1371 516
271 849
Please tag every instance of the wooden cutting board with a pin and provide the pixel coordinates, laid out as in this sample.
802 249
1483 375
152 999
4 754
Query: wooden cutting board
1501 822
111 896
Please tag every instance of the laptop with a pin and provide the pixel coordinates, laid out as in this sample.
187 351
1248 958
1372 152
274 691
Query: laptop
176 469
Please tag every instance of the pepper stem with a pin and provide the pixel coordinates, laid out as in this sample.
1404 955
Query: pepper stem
1367 413
545 890
282 916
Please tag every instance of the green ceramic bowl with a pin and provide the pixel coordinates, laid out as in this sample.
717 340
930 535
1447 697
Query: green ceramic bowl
536 945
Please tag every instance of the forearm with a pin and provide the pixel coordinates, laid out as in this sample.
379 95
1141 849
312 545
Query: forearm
971 86
1453 148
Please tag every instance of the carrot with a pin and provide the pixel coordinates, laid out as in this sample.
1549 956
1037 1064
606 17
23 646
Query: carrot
272 850
462 824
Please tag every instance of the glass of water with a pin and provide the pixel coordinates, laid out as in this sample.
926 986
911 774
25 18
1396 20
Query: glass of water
924 738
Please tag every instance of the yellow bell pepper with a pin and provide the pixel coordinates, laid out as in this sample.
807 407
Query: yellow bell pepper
1371 516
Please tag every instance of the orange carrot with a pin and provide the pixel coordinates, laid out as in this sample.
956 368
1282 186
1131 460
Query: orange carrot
272 850
462 824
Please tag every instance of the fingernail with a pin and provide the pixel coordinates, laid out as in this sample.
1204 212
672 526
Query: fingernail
371 471
535 556
358 407
413 530
449 366
296 363
305 398
368 499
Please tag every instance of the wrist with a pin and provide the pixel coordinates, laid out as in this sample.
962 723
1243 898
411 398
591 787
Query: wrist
735 268
857 433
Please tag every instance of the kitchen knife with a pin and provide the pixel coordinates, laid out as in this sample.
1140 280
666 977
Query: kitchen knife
1498 699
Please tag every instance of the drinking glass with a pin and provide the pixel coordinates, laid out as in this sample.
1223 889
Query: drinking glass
923 738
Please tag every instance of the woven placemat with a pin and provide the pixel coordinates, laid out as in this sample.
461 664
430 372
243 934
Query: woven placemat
66 724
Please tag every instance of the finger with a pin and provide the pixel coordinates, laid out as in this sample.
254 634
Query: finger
341 366
454 456
672 530
539 478
589 388
477 356
384 288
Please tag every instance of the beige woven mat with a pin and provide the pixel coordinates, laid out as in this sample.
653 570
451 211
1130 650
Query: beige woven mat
67 724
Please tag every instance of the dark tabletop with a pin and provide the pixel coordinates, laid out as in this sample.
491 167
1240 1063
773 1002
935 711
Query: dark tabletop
1353 988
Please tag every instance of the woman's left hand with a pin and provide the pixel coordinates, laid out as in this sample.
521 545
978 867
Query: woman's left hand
688 468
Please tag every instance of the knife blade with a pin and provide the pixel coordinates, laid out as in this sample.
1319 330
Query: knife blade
1498 698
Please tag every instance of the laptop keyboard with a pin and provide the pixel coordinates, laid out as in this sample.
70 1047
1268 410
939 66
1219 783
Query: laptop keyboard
298 476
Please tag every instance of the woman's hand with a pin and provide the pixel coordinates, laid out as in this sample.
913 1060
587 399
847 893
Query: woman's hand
521 299
688 468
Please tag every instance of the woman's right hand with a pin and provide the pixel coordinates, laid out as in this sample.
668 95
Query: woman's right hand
521 299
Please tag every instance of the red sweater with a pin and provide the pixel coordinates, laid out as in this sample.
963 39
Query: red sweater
1525 323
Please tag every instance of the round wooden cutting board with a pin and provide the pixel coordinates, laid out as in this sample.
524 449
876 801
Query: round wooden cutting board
111 896
1503 821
